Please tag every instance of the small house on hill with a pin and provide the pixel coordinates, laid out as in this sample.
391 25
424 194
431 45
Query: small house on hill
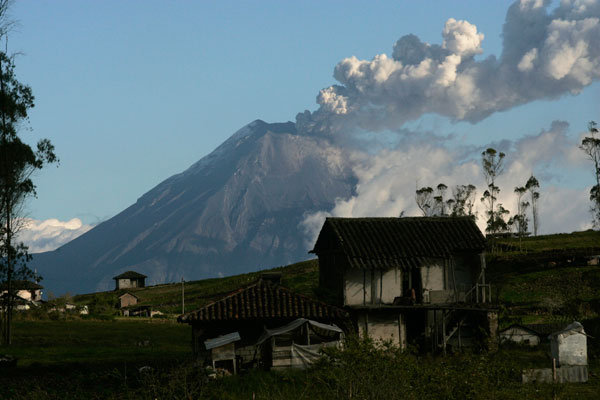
531 334
127 299
251 309
408 280
130 279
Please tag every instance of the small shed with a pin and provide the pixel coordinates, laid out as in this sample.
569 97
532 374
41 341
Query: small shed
222 351
569 346
297 344
130 279
127 299
519 334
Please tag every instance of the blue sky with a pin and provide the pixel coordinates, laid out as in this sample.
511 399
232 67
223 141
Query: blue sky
132 92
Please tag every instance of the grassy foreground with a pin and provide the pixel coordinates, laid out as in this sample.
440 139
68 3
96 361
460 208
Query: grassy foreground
361 371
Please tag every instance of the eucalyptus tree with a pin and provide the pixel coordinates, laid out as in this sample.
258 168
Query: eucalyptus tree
492 162
463 200
532 187
520 220
424 199
591 147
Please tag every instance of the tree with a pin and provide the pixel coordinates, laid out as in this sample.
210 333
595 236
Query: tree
532 186
424 198
440 204
520 220
591 146
18 162
463 200
492 162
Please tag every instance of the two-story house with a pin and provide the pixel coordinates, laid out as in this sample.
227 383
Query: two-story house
409 280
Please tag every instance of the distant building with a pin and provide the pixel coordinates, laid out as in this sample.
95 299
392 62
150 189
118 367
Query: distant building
127 299
130 279
25 292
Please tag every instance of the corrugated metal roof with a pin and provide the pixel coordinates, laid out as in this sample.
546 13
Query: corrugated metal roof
262 300
398 242
222 340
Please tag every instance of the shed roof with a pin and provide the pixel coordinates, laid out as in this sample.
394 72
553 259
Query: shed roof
21 285
262 300
130 275
130 294
398 242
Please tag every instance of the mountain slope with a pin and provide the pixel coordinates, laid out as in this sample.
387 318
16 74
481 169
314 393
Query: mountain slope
235 210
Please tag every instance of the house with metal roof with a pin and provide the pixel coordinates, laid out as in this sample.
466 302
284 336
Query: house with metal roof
418 280
249 310
130 279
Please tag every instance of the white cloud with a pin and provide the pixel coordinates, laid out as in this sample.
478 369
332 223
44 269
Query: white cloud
50 234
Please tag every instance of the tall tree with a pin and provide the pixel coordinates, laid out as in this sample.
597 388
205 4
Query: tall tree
18 162
463 200
492 163
424 198
440 203
520 220
591 146
532 186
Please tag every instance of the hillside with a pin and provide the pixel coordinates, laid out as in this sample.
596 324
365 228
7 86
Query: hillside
549 280
302 277
236 210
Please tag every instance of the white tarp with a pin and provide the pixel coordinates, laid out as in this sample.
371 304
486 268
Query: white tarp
294 355
295 325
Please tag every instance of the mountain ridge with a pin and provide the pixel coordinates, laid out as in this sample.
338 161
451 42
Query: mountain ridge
235 210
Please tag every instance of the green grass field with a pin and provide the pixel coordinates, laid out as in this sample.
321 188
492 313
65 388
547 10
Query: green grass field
79 341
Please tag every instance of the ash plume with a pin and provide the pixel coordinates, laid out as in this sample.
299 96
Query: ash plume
546 54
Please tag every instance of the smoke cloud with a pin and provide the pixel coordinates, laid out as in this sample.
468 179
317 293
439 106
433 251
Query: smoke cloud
546 54
387 181
50 234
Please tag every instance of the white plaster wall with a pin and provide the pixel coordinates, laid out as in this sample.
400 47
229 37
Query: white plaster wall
376 286
392 285
367 280
354 287
384 329
432 278
570 350
25 294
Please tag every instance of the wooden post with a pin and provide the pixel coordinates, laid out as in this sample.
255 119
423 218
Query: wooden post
182 296
554 369
444 331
